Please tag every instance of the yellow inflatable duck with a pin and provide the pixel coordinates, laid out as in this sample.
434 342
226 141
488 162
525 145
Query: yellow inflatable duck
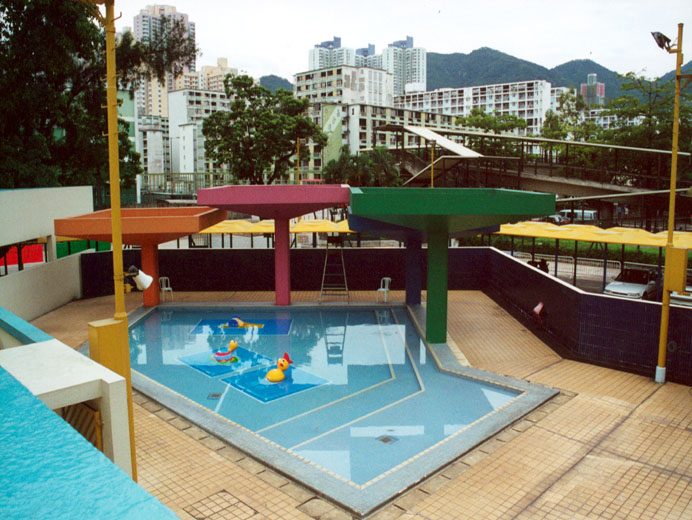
236 323
276 375
226 356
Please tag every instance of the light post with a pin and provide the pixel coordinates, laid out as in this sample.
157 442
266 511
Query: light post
109 342
432 163
674 259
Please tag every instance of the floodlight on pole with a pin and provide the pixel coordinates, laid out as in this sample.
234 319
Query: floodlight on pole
672 269
661 40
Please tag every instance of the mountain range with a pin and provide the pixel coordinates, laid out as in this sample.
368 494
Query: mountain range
487 66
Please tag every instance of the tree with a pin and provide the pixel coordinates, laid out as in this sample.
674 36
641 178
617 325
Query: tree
644 114
256 138
496 123
491 123
52 92
372 168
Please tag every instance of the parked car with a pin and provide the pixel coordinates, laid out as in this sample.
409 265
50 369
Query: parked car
634 282
554 219
683 299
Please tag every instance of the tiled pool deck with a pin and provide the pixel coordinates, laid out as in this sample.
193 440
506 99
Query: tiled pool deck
611 445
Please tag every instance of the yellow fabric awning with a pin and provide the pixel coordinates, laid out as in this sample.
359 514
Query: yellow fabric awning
267 226
585 233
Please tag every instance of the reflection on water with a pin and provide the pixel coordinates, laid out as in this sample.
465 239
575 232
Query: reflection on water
363 395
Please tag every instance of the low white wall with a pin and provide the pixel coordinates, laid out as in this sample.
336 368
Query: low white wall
35 291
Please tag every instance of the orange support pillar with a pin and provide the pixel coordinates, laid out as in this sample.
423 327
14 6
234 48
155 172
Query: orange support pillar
150 265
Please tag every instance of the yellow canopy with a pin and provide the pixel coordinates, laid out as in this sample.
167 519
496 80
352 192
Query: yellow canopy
267 226
585 233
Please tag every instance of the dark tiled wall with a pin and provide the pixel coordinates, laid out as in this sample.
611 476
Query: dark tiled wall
589 327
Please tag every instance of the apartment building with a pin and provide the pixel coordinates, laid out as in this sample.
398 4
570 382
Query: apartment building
153 144
355 125
188 109
529 100
407 64
208 78
592 91
345 84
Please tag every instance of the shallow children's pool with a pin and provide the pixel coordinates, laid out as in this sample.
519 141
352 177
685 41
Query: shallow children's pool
365 410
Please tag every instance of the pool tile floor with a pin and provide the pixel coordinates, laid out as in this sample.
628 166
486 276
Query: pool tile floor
611 445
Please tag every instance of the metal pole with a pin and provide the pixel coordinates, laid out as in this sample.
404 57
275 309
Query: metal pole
660 376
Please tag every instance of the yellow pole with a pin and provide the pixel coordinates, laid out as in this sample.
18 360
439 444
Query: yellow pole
298 161
660 376
116 221
432 164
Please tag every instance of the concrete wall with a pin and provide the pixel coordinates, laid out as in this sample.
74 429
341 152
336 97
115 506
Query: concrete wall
27 214
33 292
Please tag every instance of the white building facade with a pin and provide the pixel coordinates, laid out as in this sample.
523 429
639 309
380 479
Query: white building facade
187 111
529 100
345 84
407 64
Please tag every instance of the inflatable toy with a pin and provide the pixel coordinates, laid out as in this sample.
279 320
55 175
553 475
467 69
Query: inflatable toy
276 375
236 322
226 356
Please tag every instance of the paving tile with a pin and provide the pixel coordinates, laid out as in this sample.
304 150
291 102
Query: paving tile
297 491
391 512
662 446
431 485
272 478
621 388
410 499
604 486
585 419
212 443
513 476
316 507
251 465
195 433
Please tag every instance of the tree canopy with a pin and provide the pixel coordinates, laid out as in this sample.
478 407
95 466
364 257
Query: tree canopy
256 139
372 168
52 86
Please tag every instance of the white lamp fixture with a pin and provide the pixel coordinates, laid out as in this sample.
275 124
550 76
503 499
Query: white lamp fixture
141 279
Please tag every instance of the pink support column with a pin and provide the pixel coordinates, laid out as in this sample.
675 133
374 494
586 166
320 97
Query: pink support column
282 261
150 265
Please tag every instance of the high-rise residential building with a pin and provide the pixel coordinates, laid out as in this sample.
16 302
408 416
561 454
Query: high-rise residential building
151 96
529 100
406 63
344 84
187 111
592 91
148 21
209 78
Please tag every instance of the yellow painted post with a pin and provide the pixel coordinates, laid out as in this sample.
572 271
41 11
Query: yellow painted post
660 376
432 164
111 343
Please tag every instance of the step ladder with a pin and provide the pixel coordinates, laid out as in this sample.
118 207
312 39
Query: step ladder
335 338
334 272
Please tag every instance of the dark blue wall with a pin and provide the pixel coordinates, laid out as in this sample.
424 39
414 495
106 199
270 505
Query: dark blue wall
583 326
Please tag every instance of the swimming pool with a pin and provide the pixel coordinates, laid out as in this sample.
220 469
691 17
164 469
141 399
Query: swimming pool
366 410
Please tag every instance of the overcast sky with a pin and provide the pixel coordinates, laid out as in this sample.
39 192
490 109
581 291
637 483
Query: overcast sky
273 37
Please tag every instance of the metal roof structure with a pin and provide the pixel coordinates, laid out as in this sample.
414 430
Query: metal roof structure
586 233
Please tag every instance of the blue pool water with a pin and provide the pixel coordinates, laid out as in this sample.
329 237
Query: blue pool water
366 409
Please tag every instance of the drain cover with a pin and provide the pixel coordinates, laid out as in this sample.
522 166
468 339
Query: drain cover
214 396
386 439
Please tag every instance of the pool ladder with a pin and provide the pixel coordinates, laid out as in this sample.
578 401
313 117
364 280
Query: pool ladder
334 272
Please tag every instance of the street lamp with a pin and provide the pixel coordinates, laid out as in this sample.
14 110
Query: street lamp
676 261
109 342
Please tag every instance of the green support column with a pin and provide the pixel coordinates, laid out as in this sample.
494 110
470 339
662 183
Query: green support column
436 311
